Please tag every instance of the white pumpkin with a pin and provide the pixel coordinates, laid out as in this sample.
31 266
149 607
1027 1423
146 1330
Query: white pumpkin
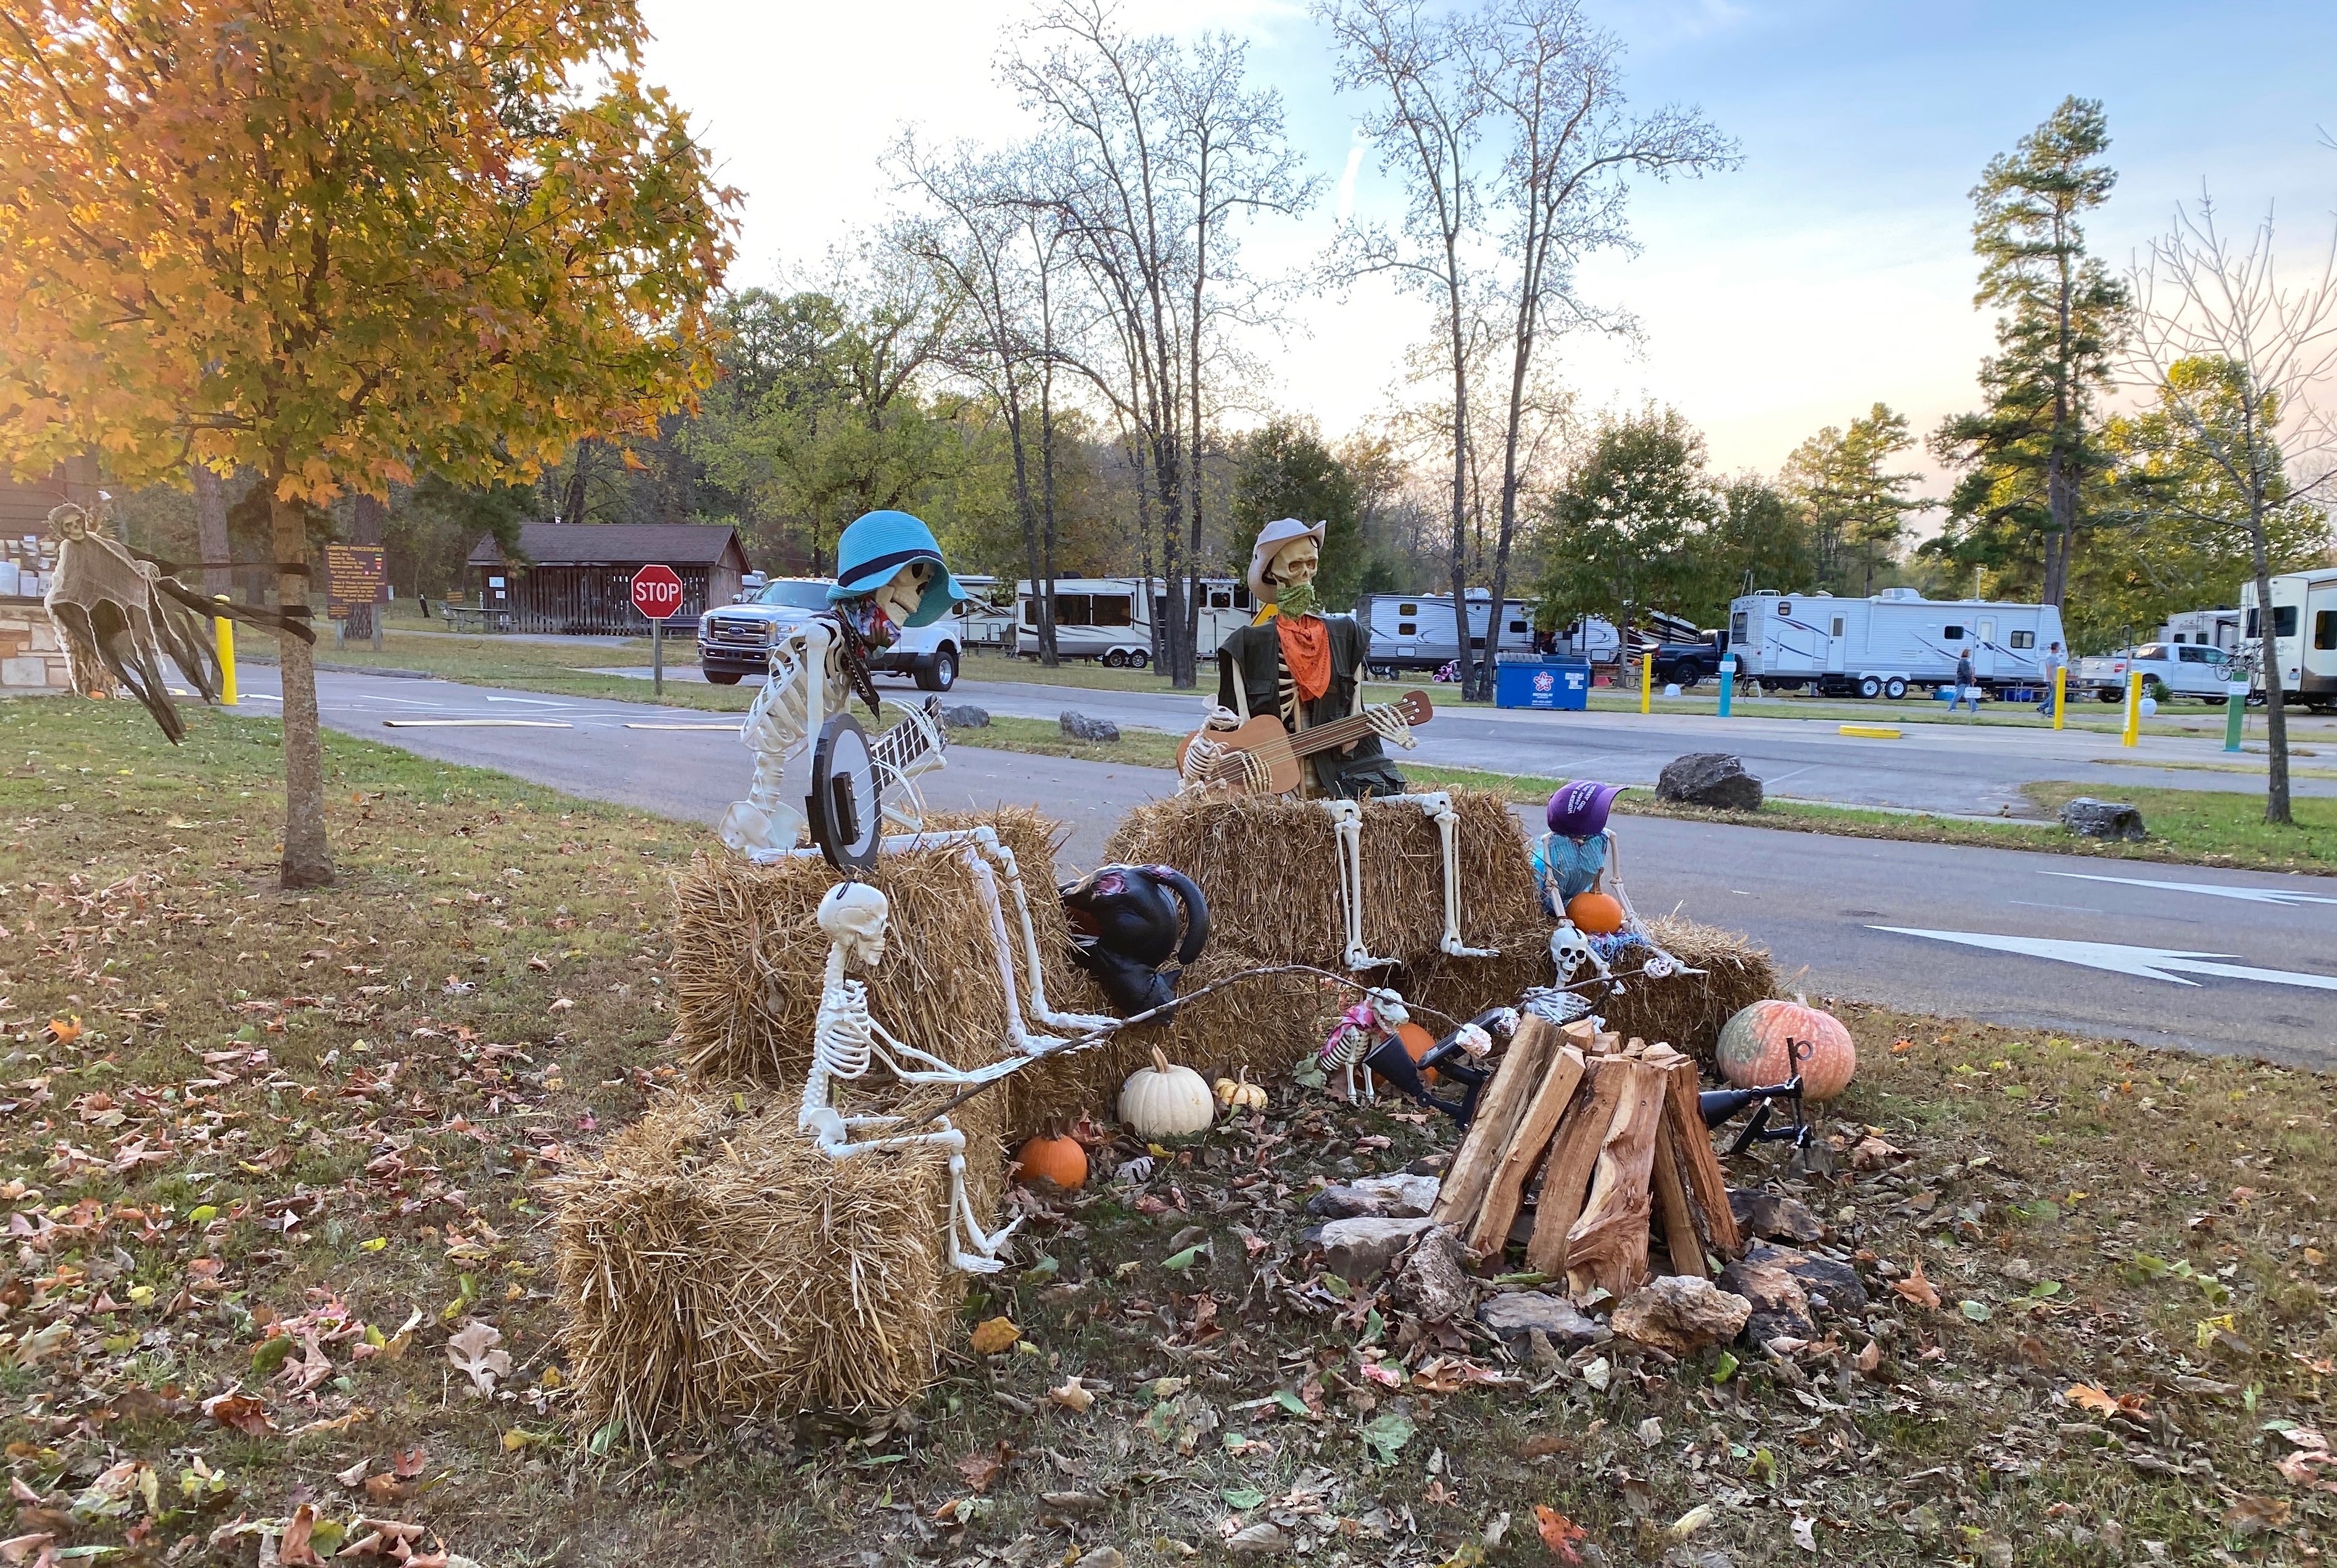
1163 1101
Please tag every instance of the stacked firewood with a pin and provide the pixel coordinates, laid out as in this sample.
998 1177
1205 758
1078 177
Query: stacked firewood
1601 1145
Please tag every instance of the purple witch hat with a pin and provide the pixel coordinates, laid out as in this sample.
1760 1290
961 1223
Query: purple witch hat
1580 810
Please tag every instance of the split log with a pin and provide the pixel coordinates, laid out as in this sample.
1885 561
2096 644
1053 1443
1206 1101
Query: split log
1682 1239
1503 1101
1606 1247
1706 1186
1567 1174
1528 1143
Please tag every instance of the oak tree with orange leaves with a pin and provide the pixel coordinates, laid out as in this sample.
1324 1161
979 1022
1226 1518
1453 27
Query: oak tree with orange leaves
341 242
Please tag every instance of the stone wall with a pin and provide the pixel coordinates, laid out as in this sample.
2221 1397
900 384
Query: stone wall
30 656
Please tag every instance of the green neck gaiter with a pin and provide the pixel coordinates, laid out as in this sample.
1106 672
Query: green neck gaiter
1296 599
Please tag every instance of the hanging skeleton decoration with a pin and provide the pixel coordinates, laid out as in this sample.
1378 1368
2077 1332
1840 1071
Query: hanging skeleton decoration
847 1038
1125 923
889 577
1304 668
117 615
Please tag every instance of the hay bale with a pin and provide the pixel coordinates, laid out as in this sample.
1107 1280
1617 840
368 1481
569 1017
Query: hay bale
1270 871
714 1264
749 958
1463 987
1267 1025
1686 1011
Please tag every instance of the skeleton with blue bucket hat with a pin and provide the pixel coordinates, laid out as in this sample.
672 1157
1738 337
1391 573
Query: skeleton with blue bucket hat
889 577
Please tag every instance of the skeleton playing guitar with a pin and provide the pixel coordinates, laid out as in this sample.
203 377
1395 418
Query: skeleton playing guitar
1262 757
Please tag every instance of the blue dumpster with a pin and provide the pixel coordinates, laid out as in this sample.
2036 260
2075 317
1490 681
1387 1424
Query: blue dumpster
1541 682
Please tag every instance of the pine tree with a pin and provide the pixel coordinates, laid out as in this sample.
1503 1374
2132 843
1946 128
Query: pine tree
1857 512
2027 456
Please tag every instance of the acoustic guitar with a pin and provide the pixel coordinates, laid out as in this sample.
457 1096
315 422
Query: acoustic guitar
1262 757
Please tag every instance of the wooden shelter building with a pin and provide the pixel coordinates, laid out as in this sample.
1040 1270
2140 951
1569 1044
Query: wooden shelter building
577 578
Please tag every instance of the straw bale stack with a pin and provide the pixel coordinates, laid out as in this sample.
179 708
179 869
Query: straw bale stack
714 1264
1270 871
1603 1141
749 956
1687 1011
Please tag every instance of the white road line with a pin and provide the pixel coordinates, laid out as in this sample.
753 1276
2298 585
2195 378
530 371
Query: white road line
2144 963
2212 889
530 701
2074 908
713 728
476 724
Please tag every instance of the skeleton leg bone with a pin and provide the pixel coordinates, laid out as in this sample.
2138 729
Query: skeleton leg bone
1437 806
1347 833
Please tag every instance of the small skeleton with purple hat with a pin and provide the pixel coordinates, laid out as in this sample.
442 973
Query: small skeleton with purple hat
1569 859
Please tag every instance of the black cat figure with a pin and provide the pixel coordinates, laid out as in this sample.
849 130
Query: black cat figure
1125 923
1454 1058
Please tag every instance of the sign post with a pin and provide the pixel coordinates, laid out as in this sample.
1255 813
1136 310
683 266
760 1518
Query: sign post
657 594
1727 681
2133 709
1646 680
2060 692
2236 706
355 574
223 638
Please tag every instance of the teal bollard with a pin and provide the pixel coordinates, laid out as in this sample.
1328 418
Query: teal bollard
2236 708
1727 682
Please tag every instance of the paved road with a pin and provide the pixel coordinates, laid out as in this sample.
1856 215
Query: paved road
2159 969
1975 771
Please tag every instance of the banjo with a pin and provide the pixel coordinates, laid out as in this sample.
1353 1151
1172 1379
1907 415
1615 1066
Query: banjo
1262 757
849 772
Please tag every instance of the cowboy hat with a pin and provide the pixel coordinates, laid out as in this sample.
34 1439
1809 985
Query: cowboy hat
879 544
1271 538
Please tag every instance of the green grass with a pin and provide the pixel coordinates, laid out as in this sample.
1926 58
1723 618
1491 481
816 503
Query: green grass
2089 1212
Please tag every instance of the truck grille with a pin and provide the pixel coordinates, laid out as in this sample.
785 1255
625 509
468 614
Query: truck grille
740 633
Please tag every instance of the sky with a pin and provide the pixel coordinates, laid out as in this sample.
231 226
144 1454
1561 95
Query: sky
1832 270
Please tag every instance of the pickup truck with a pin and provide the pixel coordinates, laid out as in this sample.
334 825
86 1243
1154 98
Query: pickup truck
1684 664
736 639
2169 669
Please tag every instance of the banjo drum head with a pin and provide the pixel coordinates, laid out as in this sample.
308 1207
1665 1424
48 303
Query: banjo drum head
847 815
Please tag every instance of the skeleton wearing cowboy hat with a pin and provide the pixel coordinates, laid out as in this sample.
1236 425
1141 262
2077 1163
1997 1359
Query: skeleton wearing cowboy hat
1307 669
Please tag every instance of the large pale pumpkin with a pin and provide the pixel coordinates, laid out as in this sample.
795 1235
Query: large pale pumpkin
1754 1050
1163 1101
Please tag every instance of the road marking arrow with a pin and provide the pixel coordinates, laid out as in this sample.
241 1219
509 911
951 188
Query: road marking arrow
2213 890
2146 963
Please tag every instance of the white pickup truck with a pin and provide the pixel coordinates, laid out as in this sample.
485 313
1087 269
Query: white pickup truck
2169 669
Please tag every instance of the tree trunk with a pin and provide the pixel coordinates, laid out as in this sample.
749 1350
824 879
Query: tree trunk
1461 503
307 858
2061 500
210 531
2276 807
367 516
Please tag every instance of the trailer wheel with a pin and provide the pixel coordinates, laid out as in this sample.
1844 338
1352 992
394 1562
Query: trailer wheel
1894 688
1116 659
1138 658
1870 687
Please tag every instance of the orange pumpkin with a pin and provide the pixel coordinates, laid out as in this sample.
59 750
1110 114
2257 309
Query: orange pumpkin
1057 1160
1759 1045
1417 1043
1595 914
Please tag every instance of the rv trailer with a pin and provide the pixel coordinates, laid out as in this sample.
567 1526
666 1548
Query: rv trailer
1107 617
2304 634
1886 645
2218 627
1418 630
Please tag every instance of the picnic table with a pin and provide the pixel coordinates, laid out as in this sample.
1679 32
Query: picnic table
476 617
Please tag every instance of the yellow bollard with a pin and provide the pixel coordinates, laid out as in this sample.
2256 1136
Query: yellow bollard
2132 736
223 638
1647 684
2060 692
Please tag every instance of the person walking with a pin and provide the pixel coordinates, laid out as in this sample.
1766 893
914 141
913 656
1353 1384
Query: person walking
2052 664
1965 690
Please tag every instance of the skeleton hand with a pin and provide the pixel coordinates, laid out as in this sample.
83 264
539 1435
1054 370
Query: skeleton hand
1202 756
1388 723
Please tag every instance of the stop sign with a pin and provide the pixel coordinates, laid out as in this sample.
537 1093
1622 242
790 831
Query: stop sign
656 591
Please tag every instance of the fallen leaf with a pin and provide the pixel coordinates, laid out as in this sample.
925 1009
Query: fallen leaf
2253 1515
1868 1360
1976 1311
1072 1396
1689 1523
294 1548
1805 1533
239 1411
995 1335
473 1352
354 1476
1915 1288
23 1548
2101 1402
1872 1153
380 1489
1559 1533
64 1031
981 1469
409 1464
1257 1538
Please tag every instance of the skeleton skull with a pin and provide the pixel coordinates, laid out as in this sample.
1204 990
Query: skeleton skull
1389 1008
1577 959
900 597
70 523
855 916
1294 562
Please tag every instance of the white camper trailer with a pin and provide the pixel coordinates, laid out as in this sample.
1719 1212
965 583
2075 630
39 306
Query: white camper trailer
2218 627
1418 631
1107 617
1882 645
2304 634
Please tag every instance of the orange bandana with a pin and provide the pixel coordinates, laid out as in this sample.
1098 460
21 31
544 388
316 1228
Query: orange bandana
1306 650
